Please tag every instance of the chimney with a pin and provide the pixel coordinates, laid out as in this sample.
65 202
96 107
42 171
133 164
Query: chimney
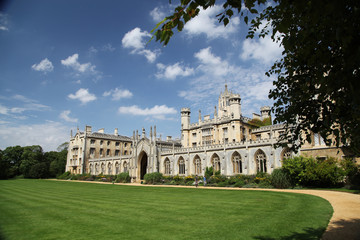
116 133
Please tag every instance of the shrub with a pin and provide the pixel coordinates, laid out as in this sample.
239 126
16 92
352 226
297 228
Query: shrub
151 178
123 177
239 183
65 175
280 178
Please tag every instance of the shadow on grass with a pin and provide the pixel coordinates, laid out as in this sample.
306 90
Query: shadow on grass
342 230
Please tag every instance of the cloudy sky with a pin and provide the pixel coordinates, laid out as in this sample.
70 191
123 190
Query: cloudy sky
66 64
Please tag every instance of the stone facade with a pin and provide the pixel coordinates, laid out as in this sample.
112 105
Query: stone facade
230 142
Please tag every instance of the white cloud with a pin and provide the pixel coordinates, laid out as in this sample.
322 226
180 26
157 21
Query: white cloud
206 23
135 40
48 135
3 110
157 14
212 72
263 50
44 66
81 68
173 71
118 94
4 22
157 111
108 47
83 96
65 115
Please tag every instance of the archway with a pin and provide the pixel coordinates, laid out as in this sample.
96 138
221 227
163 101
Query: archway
143 164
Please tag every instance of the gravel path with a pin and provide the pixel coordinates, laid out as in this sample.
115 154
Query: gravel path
344 223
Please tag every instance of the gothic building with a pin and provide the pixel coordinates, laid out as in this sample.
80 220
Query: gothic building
230 142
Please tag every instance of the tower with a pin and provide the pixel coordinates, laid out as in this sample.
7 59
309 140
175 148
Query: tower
185 126
235 106
265 112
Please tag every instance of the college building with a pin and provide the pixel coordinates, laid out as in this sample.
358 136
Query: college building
230 142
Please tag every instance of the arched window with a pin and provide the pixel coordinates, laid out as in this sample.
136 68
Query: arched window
96 168
215 161
109 168
125 166
167 166
117 168
103 168
181 165
197 165
260 160
237 164
286 153
91 169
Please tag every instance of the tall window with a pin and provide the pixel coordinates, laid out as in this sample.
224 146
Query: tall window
117 168
109 168
91 169
103 168
181 166
125 166
167 166
216 162
197 165
260 159
237 164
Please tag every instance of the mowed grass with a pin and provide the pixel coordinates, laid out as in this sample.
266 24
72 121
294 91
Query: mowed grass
44 209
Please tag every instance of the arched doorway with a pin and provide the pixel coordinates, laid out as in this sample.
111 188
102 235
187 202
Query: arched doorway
143 162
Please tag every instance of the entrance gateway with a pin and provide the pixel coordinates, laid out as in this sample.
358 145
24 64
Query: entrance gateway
143 162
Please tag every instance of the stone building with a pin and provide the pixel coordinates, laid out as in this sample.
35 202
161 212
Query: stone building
230 142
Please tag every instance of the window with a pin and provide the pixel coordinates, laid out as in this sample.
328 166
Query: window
109 168
216 162
101 142
260 160
194 134
167 166
117 144
125 167
108 152
318 140
286 153
125 152
117 168
194 144
117 152
181 166
108 143
258 137
101 152
92 152
197 165
92 141
237 164
225 130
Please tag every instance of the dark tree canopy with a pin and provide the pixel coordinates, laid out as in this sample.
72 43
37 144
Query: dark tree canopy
318 85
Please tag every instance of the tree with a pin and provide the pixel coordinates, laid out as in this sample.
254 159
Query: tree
11 160
31 156
318 76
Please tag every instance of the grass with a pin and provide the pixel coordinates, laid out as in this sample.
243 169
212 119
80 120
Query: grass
42 209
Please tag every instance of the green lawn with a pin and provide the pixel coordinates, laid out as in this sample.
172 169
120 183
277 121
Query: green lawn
43 209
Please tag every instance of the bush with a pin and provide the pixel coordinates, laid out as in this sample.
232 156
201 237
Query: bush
280 178
123 177
151 178
65 175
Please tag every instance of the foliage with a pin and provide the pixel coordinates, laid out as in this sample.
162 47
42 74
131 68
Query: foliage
260 123
151 178
123 177
318 74
65 175
280 178
31 162
308 171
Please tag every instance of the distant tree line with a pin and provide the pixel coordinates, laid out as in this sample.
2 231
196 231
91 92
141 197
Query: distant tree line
32 162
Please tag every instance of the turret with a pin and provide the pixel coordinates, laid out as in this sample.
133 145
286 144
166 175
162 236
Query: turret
235 106
185 118
265 112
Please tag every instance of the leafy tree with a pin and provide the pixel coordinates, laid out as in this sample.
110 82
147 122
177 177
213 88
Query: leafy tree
63 146
31 156
318 75
11 160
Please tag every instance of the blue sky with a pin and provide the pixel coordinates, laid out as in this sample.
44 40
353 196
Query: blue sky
65 64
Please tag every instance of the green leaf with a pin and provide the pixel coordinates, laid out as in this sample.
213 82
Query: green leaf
226 21
180 26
